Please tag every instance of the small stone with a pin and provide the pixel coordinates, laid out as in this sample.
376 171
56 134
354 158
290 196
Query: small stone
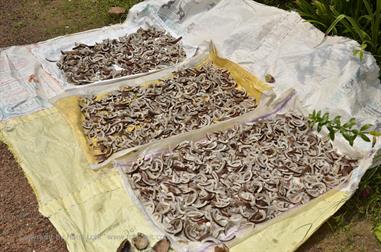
117 10
162 246
269 78
125 246
221 248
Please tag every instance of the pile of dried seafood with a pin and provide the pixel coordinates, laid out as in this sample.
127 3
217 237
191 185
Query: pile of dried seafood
242 176
141 242
133 116
135 53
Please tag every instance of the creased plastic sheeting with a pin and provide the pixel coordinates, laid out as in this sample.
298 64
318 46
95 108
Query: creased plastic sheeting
264 40
18 93
68 103
89 209
92 211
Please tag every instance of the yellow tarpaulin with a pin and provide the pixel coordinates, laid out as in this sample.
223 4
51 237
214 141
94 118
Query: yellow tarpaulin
91 210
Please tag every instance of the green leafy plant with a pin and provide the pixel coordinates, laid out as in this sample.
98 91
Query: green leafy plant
347 130
377 232
356 19
360 52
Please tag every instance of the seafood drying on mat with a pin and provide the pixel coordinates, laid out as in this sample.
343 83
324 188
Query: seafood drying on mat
140 241
162 246
125 246
132 116
139 52
208 189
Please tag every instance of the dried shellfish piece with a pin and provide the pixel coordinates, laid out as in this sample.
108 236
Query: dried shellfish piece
140 241
162 246
125 246
221 248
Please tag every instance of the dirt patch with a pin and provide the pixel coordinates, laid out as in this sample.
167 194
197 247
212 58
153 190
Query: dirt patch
354 237
26 22
21 225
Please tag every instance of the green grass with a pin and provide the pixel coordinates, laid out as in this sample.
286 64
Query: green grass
364 204
357 19
91 13
367 199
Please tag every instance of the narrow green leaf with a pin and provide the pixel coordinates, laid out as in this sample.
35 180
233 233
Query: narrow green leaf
351 123
324 26
364 137
374 140
361 55
356 52
319 127
365 127
377 23
368 8
375 133
351 141
334 23
332 134
347 136
325 117
337 121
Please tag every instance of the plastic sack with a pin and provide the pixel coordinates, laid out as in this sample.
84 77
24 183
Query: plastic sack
68 103
268 109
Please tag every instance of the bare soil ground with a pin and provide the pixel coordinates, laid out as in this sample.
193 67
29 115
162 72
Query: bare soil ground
21 225
22 228
355 236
